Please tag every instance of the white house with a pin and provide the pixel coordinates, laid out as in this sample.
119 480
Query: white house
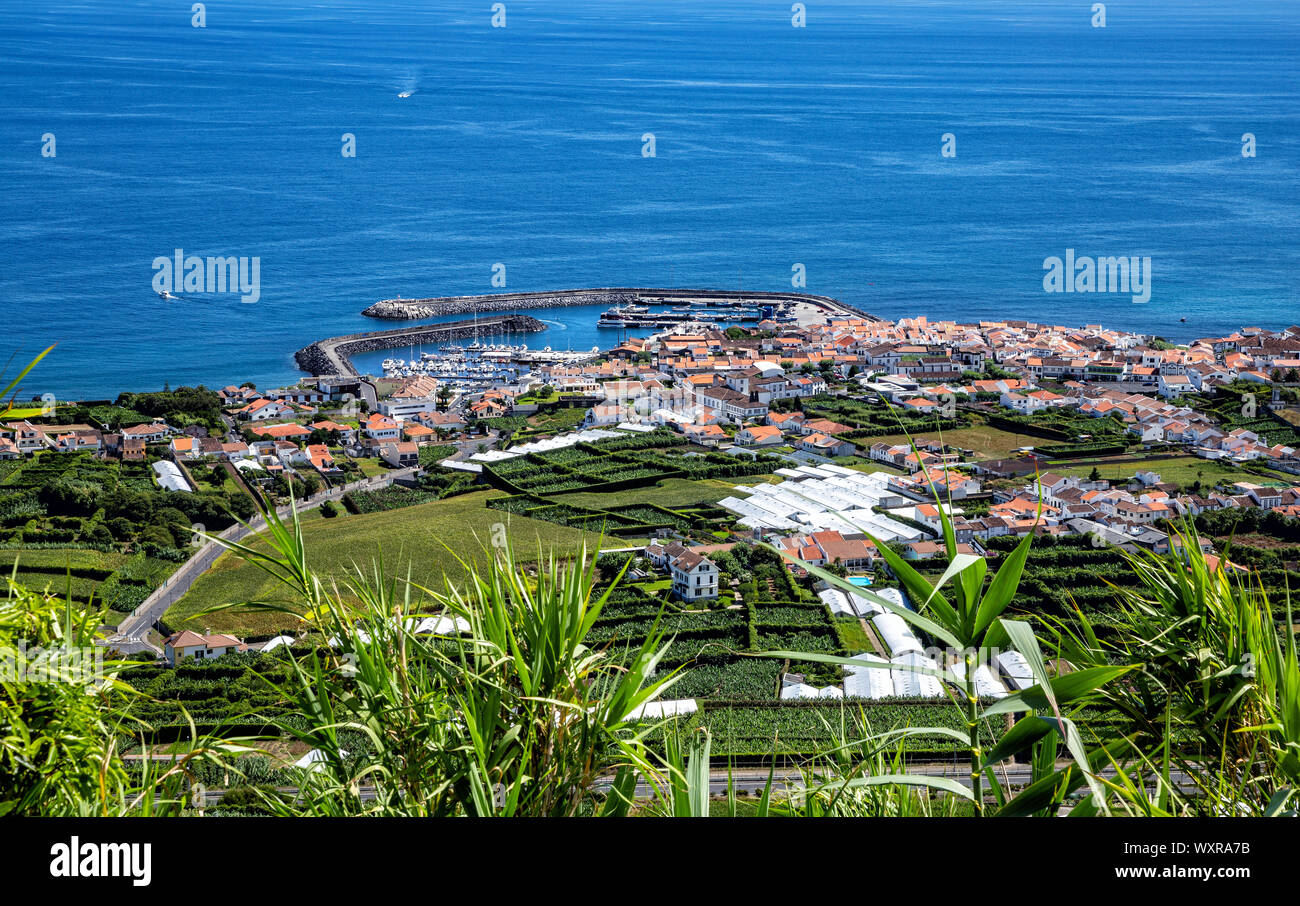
695 578
187 644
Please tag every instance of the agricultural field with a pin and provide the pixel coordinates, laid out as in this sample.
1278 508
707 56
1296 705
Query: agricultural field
117 580
758 730
1064 425
418 537
1226 404
232 695
671 492
985 441
1181 470
717 649
636 519
54 569
853 638
617 465
57 499
557 421
869 421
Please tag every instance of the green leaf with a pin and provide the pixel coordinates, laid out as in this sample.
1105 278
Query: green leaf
1277 805
911 616
1003 587
13 385
1067 688
1027 731
956 566
697 776
621 792
1042 794
1023 640
946 784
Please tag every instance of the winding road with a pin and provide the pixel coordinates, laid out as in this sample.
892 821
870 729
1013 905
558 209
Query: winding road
131 635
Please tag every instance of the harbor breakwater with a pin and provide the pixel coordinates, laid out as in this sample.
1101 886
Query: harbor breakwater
332 356
412 309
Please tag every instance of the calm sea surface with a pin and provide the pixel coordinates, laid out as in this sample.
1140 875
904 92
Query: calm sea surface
523 146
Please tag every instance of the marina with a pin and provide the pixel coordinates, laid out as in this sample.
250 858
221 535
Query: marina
481 363
678 312
573 326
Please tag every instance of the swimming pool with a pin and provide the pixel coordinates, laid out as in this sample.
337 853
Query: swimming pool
860 581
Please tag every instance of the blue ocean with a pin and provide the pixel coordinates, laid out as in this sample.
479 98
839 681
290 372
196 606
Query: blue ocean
524 146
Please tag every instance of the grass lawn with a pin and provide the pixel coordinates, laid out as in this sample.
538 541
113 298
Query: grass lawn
413 536
863 464
558 421
986 441
1182 470
370 466
852 636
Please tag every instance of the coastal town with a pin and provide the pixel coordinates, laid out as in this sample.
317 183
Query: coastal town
1017 427
745 410
733 468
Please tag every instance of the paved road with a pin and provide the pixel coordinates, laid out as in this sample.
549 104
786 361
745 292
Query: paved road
131 632
752 781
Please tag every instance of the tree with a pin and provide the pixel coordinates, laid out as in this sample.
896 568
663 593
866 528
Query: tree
1095 474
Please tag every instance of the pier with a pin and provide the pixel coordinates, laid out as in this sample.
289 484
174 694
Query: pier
332 356
413 309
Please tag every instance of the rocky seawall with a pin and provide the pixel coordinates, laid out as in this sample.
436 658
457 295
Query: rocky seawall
411 309
332 356
415 309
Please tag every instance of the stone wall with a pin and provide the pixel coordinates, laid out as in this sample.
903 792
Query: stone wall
413 309
333 355
410 309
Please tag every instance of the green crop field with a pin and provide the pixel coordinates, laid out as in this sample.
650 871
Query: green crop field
1181 470
671 492
414 537
61 570
987 442
119 581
